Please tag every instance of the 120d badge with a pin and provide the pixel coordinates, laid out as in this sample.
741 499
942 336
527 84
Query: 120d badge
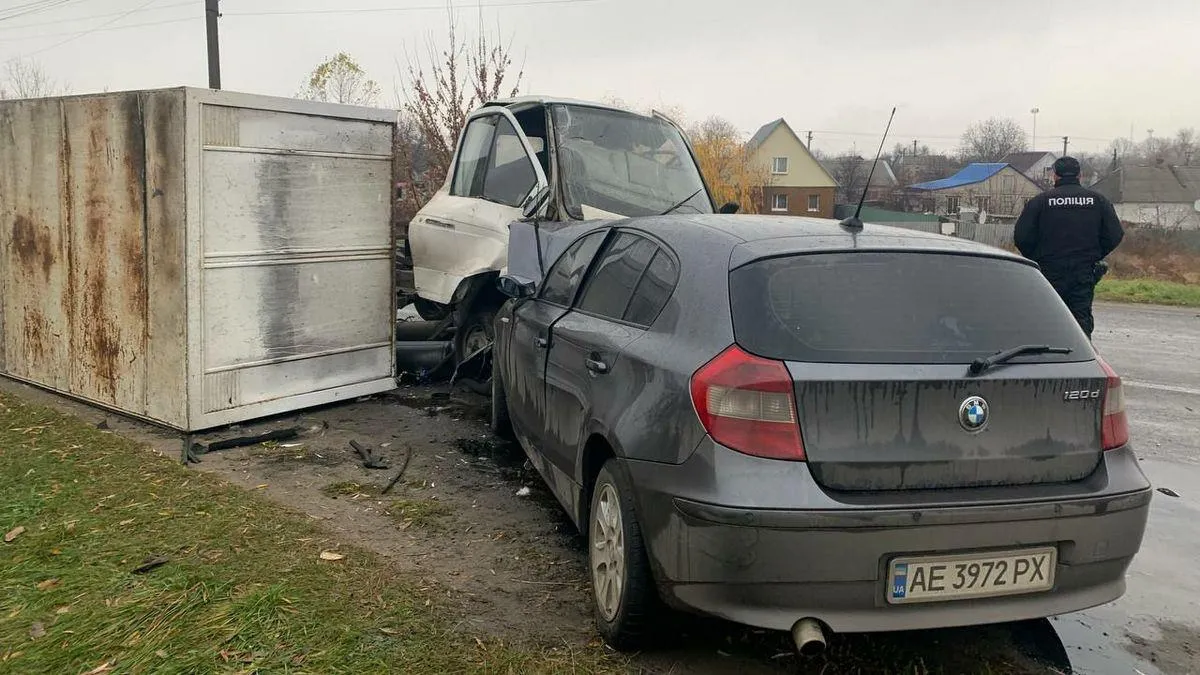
1080 395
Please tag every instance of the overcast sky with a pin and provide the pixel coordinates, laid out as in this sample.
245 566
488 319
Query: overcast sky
1094 68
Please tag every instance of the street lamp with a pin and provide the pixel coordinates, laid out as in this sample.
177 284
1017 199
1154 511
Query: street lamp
1033 140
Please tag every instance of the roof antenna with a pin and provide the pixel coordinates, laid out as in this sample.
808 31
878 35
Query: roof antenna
854 222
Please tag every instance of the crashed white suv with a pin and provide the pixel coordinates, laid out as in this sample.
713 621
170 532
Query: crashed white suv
553 160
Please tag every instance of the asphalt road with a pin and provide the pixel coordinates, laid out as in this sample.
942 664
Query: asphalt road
1155 628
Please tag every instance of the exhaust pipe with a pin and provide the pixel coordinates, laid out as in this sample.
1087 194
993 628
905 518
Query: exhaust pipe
809 637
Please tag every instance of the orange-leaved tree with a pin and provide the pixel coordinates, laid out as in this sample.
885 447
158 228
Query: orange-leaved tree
728 164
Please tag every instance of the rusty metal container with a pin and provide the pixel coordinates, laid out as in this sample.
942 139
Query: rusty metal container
196 258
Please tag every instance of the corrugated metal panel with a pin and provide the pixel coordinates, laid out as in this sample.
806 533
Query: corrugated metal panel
105 218
166 218
36 288
297 288
76 289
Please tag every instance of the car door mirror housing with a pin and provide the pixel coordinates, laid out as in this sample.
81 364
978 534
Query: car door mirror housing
516 288
730 207
535 201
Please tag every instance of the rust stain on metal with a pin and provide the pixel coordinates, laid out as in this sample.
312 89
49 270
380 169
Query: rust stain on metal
32 245
37 330
102 340
133 244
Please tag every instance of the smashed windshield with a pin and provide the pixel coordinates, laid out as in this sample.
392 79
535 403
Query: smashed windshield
625 164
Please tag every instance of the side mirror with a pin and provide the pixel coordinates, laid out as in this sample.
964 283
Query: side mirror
515 288
730 207
535 201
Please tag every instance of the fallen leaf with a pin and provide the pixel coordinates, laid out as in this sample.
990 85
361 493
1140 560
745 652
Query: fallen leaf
298 660
389 631
63 610
55 551
14 533
330 555
162 653
123 523
102 668
48 584
260 487
37 630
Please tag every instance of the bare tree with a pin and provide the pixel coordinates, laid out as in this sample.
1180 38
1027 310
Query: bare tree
439 90
850 171
340 80
992 139
23 78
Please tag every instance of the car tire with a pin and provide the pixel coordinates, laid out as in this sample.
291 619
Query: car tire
429 310
624 595
501 423
472 332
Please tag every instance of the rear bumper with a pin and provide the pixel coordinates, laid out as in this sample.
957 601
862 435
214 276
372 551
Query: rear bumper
772 567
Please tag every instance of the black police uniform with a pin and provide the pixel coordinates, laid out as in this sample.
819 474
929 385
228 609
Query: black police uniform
1067 231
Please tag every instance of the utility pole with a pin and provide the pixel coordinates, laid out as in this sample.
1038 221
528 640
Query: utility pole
211 14
810 140
914 147
1066 142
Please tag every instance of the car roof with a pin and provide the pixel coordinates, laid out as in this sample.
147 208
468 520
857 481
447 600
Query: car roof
522 101
752 237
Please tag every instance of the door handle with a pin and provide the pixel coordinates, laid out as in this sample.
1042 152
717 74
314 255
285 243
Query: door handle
596 366
541 342
439 223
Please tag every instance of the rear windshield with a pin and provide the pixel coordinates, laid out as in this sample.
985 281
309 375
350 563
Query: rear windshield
884 307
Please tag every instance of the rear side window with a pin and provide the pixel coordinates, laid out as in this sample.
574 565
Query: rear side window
564 277
617 274
883 307
653 290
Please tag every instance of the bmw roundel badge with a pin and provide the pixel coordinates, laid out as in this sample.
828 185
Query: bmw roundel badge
973 414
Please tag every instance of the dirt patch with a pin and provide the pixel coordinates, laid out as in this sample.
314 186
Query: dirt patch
1175 652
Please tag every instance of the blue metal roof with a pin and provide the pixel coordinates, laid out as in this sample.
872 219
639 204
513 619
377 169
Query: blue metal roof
970 174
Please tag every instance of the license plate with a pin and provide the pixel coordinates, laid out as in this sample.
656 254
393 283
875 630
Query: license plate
971 575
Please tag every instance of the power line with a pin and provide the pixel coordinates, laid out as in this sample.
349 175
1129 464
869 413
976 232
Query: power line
373 10
106 30
34 8
92 30
90 17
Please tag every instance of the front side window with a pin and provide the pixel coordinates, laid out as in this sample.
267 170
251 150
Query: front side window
566 274
612 284
510 175
626 164
472 158
779 202
814 202
779 165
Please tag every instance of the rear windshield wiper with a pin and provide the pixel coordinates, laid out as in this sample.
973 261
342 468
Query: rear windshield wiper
984 363
689 198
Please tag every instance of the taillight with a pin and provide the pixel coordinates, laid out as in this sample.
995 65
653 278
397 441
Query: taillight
747 403
1114 432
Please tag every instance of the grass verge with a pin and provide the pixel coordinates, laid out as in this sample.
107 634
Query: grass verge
1148 291
244 587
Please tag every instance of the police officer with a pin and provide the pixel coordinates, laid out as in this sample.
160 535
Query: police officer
1068 231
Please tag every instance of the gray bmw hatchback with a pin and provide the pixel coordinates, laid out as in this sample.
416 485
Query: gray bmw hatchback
798 426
